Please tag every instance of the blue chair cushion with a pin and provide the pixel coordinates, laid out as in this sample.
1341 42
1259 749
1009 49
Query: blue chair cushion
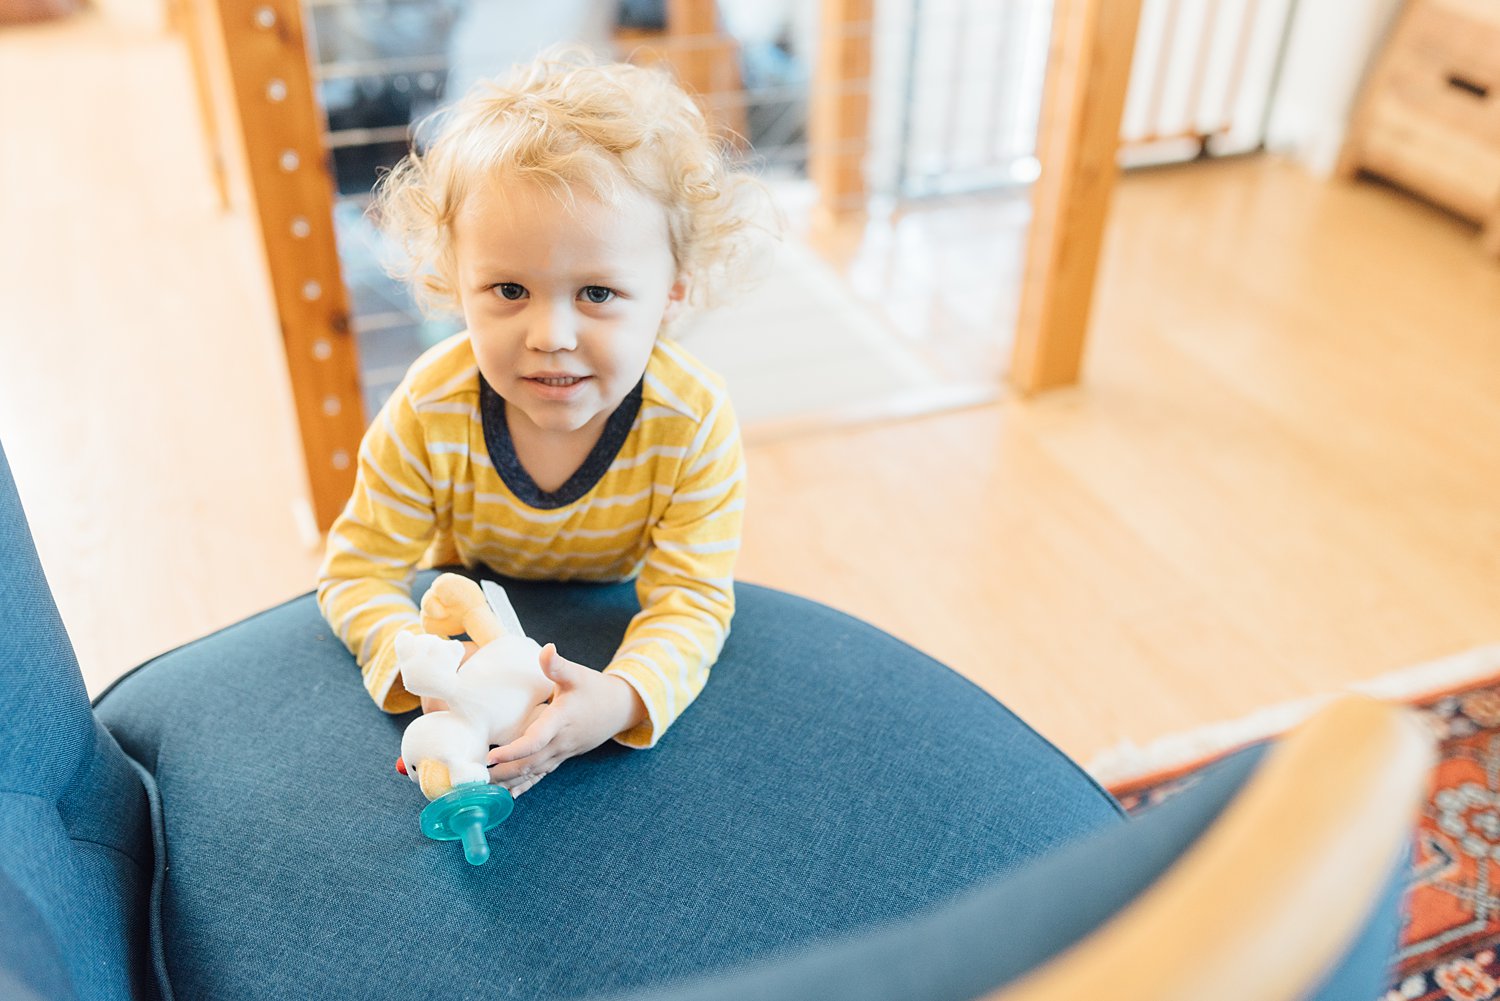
829 779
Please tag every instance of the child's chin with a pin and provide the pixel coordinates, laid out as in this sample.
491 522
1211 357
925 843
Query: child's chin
560 421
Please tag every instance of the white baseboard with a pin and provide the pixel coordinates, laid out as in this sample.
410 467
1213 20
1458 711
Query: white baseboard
1128 761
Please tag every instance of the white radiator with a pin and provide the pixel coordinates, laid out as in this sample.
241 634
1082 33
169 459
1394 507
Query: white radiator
958 86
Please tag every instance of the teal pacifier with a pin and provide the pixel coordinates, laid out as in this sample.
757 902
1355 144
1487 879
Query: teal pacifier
465 813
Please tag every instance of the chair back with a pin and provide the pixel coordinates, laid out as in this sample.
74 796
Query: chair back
76 848
1277 876
1292 894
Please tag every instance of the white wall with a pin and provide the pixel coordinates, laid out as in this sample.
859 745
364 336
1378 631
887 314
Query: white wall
1331 45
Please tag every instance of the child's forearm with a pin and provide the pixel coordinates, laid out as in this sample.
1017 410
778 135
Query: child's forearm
366 613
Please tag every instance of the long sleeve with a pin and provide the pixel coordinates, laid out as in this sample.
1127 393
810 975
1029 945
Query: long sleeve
686 585
364 585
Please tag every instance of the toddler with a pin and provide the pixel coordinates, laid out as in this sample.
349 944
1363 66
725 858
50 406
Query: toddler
569 211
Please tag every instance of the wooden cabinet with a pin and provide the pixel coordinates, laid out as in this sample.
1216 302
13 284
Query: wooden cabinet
1429 117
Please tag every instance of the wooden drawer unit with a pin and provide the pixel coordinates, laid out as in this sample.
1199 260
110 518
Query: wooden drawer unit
1429 116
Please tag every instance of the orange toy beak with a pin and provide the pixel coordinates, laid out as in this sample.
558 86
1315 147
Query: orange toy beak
401 766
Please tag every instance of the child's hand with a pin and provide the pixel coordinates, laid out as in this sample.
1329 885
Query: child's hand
430 704
587 709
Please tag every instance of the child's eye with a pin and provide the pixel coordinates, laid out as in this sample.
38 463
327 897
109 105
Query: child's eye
597 294
510 290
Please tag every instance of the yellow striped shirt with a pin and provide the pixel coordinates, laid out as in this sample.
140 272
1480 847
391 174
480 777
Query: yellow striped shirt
666 510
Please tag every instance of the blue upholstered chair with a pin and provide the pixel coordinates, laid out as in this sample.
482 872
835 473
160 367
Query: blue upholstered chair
837 816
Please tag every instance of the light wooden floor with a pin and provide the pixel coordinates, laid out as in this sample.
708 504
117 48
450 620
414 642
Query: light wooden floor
1281 475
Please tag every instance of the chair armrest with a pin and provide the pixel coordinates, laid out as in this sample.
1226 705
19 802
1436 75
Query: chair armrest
1269 899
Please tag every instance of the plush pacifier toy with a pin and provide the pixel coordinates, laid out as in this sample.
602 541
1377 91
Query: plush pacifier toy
491 701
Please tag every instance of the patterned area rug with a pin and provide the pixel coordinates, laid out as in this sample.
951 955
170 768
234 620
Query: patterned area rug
1450 942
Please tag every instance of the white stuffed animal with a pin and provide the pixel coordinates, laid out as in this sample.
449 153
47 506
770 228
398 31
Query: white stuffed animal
491 700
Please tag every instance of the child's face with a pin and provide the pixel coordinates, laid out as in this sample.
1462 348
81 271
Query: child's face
563 301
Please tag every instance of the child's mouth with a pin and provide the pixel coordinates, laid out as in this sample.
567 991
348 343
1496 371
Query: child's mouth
556 387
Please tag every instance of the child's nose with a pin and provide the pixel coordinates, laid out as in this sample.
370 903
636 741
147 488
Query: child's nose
553 327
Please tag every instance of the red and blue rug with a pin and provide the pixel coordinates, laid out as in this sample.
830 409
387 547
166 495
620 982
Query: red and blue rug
1450 943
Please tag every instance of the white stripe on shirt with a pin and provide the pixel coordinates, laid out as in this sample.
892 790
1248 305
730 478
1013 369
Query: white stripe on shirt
682 631
411 460
343 545
467 375
652 413
716 454
450 408
693 597
668 451
395 505
708 493
364 648
355 519
347 619
698 548
671 398
691 366
634 527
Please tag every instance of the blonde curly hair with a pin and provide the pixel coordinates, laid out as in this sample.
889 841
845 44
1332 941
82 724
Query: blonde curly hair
568 121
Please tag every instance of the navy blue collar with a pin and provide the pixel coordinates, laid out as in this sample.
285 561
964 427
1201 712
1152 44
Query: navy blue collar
503 450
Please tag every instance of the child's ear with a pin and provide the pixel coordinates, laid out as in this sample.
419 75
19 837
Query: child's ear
676 299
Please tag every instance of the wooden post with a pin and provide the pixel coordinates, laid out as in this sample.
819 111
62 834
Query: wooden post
691 26
707 63
1088 71
291 186
839 119
704 59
